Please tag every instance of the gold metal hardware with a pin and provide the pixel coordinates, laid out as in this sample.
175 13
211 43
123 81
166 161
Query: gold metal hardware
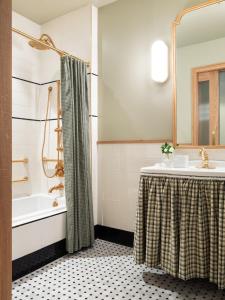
205 158
24 179
58 129
49 159
60 164
56 188
59 168
55 203
47 41
48 45
25 161
214 137
44 138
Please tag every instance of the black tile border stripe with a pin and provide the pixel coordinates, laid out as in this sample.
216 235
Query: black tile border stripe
25 80
33 82
35 120
94 74
44 83
42 120
33 261
25 119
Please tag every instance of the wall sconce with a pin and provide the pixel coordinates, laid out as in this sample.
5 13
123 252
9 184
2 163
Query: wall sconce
159 61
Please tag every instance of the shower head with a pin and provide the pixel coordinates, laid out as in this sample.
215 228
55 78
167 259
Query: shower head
46 39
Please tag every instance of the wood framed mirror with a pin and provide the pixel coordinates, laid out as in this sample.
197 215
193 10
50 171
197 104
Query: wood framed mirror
198 63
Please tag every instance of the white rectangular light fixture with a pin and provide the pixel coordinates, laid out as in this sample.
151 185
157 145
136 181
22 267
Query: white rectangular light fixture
159 61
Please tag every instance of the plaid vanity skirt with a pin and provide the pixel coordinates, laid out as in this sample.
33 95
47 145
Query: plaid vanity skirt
180 226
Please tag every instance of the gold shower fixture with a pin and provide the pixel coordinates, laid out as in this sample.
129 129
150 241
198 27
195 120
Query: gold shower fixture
59 167
48 43
45 39
58 187
45 43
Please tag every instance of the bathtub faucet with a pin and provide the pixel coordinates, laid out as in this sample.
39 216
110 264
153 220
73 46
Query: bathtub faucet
56 188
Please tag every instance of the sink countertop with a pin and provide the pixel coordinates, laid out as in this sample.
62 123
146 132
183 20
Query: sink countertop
192 169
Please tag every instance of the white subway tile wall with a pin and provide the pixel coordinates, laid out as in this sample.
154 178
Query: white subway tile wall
118 179
30 100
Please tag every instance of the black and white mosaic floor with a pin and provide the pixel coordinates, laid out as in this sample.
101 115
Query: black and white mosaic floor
107 271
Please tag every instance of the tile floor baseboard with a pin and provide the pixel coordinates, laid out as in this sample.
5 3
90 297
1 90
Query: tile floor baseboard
114 235
33 261
108 271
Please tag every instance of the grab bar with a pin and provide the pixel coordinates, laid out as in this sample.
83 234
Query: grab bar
50 159
24 179
25 161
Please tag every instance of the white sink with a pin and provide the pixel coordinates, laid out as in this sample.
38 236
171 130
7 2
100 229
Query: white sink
217 169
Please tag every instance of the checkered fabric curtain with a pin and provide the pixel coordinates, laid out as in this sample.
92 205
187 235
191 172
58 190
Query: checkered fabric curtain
75 120
180 226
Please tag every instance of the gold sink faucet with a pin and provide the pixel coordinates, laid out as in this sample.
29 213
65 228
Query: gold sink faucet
56 188
205 158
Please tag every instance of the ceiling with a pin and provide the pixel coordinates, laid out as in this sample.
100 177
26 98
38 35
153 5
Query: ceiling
202 25
46 10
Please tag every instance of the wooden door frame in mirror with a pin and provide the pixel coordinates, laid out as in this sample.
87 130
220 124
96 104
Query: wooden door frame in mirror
177 22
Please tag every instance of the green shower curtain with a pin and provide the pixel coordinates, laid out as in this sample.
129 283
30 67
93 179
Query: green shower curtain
75 120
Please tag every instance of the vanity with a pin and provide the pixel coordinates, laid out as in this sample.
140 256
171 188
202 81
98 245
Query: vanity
180 223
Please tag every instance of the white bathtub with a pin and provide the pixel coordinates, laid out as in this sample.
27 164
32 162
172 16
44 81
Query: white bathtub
35 207
37 223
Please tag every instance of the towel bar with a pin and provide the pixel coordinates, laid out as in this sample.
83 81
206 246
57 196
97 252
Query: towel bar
50 159
25 161
24 179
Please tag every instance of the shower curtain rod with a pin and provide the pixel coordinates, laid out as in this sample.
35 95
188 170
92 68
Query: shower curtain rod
60 52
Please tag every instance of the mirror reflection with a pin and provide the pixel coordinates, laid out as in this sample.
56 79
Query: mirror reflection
200 77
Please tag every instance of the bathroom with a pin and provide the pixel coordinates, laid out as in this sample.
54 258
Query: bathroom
63 239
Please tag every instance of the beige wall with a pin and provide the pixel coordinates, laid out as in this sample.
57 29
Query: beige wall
131 105
189 57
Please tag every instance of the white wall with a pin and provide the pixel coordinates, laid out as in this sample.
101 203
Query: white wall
29 102
119 166
189 57
25 60
71 33
75 33
25 104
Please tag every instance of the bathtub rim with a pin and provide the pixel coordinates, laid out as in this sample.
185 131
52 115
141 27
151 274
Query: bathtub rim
52 196
47 213
37 220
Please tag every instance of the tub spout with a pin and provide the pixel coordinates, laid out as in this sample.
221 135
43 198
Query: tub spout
56 188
